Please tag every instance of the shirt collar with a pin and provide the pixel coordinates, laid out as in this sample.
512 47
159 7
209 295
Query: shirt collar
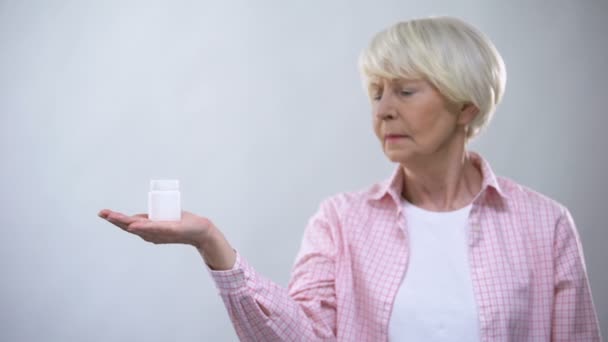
393 186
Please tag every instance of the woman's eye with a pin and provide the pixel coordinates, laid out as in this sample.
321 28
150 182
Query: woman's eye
407 92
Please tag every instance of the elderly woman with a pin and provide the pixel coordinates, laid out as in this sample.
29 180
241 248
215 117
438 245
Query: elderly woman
442 250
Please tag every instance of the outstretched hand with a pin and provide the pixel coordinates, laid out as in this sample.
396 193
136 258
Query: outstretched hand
191 229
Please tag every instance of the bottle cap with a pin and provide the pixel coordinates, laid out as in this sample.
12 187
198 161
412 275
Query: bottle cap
164 185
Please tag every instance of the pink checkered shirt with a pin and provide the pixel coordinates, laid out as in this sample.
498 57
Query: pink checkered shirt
526 260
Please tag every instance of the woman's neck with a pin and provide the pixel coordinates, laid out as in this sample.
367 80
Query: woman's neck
445 181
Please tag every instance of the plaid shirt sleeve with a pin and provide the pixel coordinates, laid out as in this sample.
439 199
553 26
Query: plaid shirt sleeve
261 310
574 317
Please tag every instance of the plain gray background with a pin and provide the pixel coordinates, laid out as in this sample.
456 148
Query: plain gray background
257 107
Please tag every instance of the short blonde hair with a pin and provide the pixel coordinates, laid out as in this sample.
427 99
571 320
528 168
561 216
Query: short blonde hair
459 60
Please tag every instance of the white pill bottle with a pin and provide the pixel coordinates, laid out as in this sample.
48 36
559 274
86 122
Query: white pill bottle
164 200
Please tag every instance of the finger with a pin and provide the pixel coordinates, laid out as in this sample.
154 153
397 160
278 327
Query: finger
104 213
124 219
153 225
136 219
120 220
107 213
117 223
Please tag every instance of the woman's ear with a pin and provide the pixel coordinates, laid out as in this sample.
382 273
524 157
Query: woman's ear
468 112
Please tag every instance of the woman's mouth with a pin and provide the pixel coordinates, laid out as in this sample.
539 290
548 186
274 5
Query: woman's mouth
390 138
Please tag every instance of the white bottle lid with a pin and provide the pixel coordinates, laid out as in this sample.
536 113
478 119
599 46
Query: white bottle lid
164 185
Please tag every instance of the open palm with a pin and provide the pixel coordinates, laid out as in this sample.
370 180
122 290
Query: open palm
191 229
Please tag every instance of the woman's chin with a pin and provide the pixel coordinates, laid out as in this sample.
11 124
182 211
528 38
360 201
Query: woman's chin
400 157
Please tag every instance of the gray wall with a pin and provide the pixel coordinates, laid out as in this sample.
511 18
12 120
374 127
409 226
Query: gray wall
257 108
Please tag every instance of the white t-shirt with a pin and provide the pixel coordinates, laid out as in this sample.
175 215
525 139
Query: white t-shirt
436 301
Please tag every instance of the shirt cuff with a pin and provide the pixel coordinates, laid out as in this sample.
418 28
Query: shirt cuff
233 280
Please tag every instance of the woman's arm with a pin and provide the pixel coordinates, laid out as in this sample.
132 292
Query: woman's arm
264 311
574 317
259 309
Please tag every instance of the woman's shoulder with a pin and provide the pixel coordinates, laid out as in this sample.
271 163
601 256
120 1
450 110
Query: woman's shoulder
347 199
529 198
355 201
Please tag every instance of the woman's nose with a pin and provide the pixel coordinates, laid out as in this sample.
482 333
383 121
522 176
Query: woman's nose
385 108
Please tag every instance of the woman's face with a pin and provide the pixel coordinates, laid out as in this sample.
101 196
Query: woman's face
412 119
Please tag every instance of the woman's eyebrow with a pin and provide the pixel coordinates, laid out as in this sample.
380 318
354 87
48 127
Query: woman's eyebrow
402 82
374 86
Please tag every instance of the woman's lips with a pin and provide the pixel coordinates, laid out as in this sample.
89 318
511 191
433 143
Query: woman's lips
394 137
